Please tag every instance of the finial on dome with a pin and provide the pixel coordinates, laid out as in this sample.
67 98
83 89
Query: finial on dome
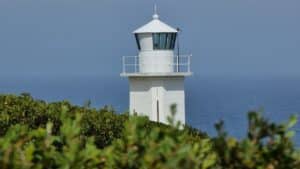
155 16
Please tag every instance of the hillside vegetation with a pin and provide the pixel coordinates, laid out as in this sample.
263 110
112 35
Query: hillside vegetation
40 135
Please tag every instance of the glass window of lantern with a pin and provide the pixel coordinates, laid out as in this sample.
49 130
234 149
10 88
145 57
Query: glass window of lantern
173 39
137 41
163 41
155 40
169 39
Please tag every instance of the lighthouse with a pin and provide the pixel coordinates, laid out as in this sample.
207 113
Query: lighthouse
156 75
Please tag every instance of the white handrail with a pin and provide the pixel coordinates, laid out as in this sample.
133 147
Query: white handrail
131 64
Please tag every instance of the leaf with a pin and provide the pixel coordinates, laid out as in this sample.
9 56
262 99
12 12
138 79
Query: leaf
290 134
292 121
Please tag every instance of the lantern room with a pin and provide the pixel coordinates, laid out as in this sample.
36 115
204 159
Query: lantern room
156 42
155 35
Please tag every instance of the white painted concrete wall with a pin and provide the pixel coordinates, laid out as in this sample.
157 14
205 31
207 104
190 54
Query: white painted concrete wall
145 91
156 61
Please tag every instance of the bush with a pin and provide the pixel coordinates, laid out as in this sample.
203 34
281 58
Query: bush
167 148
139 147
22 147
267 145
104 124
40 135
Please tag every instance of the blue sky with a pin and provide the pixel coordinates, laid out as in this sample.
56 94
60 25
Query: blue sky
88 38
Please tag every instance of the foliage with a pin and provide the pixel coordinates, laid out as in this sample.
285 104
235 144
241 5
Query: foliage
41 146
159 148
104 124
267 146
22 147
39 135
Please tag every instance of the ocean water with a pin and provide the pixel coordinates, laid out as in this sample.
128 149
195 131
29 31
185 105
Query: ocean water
208 99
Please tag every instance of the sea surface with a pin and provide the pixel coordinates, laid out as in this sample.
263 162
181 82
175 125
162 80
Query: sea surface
208 99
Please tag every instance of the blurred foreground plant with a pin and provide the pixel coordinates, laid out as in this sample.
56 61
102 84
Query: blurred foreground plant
22 147
167 148
38 135
267 146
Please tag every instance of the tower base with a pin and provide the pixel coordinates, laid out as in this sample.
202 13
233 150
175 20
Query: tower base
153 97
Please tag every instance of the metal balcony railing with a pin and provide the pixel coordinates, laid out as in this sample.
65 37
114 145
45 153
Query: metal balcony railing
181 64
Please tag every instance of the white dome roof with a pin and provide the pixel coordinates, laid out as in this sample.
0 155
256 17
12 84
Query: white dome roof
155 26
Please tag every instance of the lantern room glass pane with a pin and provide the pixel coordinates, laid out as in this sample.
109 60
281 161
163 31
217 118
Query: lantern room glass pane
164 41
137 41
155 40
169 39
173 40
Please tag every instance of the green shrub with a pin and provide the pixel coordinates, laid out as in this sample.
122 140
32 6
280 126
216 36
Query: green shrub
24 148
104 124
155 146
73 144
167 148
40 135
267 146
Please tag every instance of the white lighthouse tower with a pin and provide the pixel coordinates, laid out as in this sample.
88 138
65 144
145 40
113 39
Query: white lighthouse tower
156 75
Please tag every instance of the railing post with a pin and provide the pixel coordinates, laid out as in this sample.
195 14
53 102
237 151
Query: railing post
189 63
123 61
177 64
135 62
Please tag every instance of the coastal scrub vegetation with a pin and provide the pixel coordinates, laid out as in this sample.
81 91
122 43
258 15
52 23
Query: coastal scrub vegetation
40 135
